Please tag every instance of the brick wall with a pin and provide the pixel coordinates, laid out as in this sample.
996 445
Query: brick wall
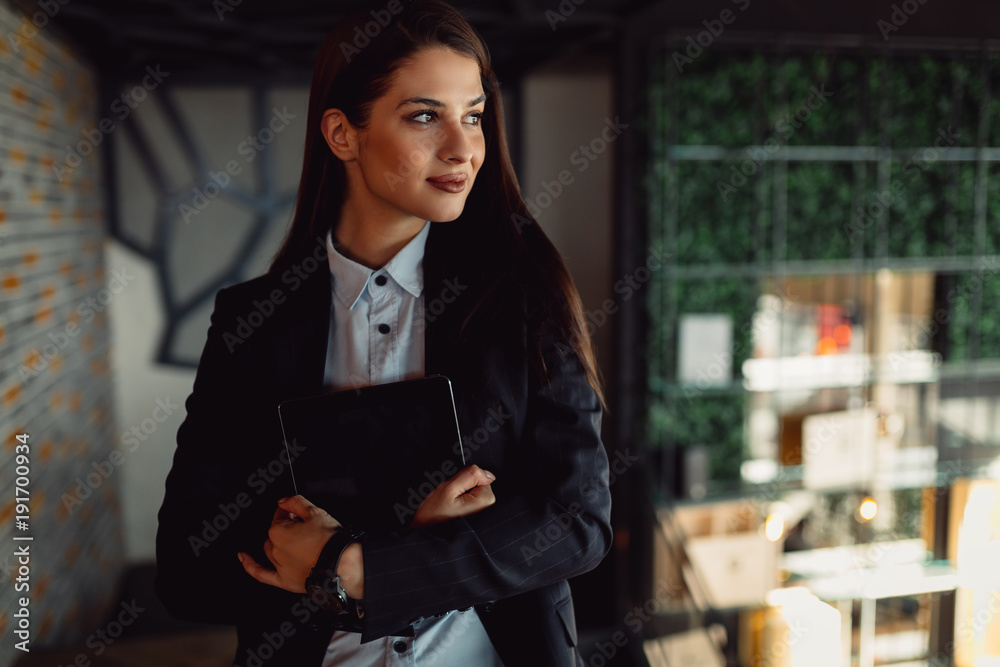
55 381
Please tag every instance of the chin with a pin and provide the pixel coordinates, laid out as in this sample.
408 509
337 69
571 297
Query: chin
445 215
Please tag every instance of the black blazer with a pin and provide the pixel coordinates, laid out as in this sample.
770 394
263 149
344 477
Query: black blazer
551 520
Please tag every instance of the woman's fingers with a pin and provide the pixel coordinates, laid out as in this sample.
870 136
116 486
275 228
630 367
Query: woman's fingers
258 571
468 478
298 506
466 492
479 498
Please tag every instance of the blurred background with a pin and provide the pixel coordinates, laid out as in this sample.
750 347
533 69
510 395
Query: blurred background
782 218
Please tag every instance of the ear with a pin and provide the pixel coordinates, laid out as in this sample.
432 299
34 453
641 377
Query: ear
340 135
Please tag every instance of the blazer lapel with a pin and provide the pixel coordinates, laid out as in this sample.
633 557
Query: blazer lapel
440 317
302 345
301 348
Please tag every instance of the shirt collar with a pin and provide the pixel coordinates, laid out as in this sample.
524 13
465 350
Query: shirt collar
406 268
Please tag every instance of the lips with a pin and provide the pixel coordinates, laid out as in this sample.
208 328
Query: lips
458 177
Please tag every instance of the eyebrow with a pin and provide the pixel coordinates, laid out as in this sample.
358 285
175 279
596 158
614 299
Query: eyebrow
427 101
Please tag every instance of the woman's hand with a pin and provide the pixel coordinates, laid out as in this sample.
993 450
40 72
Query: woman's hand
466 492
298 533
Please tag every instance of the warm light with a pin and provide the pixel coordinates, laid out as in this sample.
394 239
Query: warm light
842 334
868 509
826 345
774 527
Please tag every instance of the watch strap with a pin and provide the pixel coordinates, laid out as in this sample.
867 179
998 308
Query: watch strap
325 570
333 550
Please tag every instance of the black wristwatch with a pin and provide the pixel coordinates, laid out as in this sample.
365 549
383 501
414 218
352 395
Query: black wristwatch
323 584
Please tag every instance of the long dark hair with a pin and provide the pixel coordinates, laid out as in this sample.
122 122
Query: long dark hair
503 246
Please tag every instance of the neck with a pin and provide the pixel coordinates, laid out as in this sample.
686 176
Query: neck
370 238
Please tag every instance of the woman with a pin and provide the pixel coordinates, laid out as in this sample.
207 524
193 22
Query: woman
407 190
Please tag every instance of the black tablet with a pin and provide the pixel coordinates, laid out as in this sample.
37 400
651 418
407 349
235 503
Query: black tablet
369 456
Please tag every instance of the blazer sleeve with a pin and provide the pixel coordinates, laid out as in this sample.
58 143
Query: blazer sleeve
218 499
553 524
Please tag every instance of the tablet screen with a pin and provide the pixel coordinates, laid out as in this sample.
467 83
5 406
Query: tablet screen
369 456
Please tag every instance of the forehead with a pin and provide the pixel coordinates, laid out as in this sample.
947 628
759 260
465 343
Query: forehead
437 72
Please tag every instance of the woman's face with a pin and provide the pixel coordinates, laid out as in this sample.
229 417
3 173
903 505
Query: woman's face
424 144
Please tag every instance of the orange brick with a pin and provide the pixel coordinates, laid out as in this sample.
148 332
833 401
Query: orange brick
12 395
46 626
37 503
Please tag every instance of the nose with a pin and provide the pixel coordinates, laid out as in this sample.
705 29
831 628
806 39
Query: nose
456 144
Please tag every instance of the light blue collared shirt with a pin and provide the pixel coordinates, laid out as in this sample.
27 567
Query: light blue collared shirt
377 336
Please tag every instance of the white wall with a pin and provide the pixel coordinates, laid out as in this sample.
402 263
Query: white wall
567 104
220 119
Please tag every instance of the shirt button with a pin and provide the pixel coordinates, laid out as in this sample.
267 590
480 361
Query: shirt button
383 328
380 280
399 646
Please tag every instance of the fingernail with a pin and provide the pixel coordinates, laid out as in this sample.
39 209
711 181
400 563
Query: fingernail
489 474
240 556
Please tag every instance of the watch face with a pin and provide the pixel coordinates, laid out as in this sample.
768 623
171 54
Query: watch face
328 595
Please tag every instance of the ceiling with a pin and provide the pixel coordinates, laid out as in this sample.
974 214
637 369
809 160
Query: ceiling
264 36
254 37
